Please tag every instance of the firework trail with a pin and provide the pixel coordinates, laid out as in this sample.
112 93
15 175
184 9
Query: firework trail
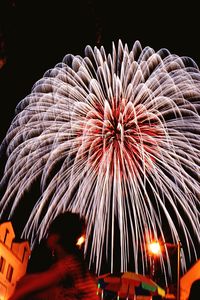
117 138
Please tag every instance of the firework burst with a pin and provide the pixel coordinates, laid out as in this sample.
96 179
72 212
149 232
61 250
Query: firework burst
117 138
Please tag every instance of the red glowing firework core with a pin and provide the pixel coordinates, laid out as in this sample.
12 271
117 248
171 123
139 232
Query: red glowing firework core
120 135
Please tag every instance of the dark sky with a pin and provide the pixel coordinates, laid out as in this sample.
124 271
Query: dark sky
35 35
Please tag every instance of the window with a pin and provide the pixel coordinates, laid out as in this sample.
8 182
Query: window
6 234
24 253
9 273
2 263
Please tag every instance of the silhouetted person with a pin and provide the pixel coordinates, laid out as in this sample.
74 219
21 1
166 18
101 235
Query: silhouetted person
41 257
68 278
195 290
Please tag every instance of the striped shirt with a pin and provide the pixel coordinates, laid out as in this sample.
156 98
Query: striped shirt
73 282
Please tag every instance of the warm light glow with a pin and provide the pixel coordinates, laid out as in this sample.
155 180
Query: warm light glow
154 248
80 241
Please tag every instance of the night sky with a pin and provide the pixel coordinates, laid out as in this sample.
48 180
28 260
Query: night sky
36 35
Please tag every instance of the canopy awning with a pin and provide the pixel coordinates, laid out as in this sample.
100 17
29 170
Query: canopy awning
128 284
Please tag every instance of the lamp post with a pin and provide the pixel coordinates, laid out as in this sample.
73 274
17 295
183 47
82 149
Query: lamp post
178 247
178 268
155 248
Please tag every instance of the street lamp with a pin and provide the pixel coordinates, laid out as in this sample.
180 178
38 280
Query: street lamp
155 248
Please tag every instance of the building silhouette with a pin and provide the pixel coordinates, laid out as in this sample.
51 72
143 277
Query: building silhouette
14 258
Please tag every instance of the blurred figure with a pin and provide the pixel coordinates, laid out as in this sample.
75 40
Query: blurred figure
68 277
40 250
195 290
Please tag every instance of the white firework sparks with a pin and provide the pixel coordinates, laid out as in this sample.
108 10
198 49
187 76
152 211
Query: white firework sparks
117 138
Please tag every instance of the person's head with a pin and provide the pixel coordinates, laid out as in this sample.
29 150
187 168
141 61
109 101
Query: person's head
66 229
